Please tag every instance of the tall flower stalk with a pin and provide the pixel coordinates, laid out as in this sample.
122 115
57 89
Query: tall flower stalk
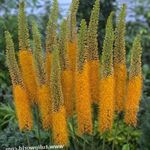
66 74
22 103
106 85
134 89
25 56
93 57
43 91
50 38
72 34
83 103
59 121
120 71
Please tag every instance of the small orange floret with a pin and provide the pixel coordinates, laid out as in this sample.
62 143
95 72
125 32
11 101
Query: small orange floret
23 109
106 110
83 103
67 89
94 80
28 73
133 99
120 74
60 132
45 105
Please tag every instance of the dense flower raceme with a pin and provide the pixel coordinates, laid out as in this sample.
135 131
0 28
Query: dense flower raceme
59 120
25 56
93 58
28 73
120 71
68 77
106 111
23 107
134 84
66 73
83 104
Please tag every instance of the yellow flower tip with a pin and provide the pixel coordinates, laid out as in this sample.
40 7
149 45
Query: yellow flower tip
60 131
44 103
67 88
106 110
133 99
94 68
120 86
28 73
83 104
23 109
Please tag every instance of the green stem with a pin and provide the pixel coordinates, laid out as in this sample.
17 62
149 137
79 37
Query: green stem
27 138
50 137
84 145
103 147
38 124
92 148
116 128
74 141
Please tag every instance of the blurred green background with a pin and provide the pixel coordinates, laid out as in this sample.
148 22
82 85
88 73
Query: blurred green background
138 21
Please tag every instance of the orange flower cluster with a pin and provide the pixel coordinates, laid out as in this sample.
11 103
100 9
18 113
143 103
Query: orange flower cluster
67 91
93 58
23 108
83 104
44 102
22 103
106 84
106 115
60 131
134 89
120 71
67 71
133 100
28 73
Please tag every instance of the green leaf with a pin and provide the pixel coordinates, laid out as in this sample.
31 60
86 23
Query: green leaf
126 147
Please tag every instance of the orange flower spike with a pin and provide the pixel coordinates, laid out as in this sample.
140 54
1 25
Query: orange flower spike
45 106
44 101
38 55
83 104
106 103
67 91
72 35
66 74
120 71
28 73
60 133
93 53
23 109
59 121
134 90
25 56
106 114
51 35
